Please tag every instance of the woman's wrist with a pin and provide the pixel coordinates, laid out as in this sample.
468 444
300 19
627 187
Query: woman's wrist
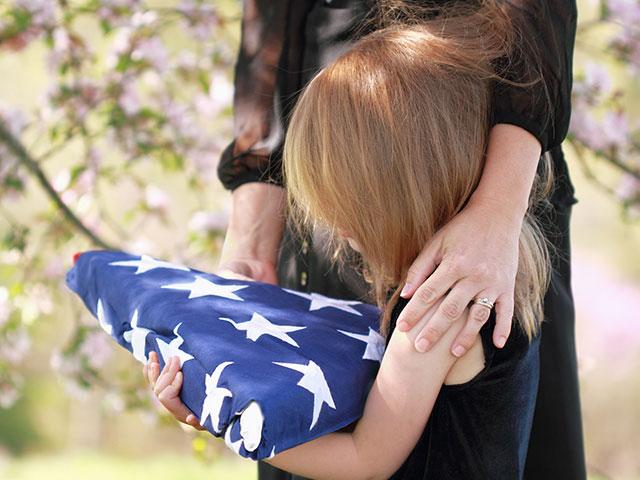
256 223
510 168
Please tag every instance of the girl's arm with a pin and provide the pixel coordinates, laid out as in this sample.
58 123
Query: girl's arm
396 411
395 414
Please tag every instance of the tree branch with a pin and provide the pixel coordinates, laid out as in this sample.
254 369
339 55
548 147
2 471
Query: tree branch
16 147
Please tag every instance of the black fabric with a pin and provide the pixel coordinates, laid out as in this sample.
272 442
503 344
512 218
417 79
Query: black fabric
285 42
480 429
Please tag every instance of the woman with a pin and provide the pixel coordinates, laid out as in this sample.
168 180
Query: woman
283 45
350 164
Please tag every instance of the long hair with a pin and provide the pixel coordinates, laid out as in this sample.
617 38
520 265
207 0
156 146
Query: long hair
388 143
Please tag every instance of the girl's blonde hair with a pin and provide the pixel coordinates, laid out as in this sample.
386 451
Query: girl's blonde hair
388 143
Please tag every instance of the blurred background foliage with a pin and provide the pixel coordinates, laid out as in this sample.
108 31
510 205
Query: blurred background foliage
113 114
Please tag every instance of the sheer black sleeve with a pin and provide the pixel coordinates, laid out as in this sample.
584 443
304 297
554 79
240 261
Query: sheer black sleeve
545 47
267 72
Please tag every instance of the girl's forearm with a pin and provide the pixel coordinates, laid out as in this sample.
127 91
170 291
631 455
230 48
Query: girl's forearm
395 414
510 168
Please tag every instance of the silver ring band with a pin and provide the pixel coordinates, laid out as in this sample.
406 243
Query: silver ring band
484 301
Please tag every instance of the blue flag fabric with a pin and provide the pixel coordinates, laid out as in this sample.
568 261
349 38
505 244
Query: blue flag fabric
264 367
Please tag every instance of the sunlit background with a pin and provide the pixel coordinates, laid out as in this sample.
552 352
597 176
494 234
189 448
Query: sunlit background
123 108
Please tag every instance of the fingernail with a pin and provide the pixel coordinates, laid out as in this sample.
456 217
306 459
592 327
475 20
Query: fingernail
402 326
459 350
501 341
405 289
422 345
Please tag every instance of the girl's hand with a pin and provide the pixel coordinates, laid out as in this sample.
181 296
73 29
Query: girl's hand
166 386
474 255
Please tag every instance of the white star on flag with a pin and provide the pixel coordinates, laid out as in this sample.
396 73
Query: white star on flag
273 452
320 301
258 326
313 380
235 446
147 263
102 319
137 337
171 349
212 403
201 287
375 343
251 422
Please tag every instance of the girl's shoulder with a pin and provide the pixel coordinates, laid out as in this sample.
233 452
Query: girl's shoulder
502 366
485 362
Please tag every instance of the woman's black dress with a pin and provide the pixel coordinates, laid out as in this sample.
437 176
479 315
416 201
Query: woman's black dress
284 43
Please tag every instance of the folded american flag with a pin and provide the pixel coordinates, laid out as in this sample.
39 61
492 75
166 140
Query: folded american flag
265 367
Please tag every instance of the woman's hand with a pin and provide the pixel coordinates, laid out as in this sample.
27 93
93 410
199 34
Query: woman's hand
476 253
166 386
248 269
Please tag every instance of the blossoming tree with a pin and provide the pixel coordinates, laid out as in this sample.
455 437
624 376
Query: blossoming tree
139 92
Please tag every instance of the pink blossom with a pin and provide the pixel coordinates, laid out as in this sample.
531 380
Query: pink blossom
5 307
61 181
156 199
15 346
143 19
10 390
117 12
43 12
628 188
55 269
585 127
97 348
14 119
220 96
61 49
152 51
200 18
615 130
627 11
129 100
606 313
597 78
122 43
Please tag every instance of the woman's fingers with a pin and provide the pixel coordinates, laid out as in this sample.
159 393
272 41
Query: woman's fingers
476 318
504 315
428 293
450 310
423 266
225 272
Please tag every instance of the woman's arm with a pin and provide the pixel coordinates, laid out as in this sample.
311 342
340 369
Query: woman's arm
475 254
253 238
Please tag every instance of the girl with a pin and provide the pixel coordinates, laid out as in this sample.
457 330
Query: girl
385 146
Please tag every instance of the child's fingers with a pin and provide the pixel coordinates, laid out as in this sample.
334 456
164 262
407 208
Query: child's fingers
154 372
173 389
167 376
193 421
